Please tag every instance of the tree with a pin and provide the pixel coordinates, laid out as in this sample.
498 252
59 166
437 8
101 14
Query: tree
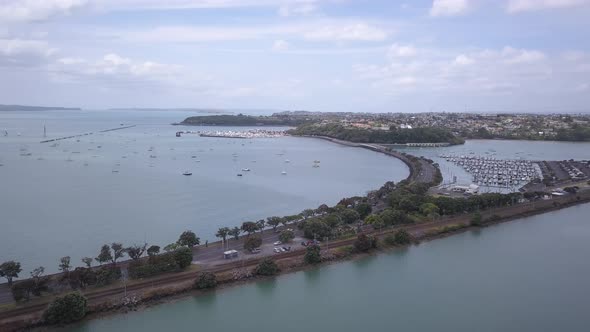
171 247
87 261
206 280
118 251
222 233
153 251
10 270
136 251
235 233
261 224
365 243
286 236
307 213
322 209
402 237
274 222
104 255
189 239
349 216
316 228
64 264
363 209
312 255
267 267
66 309
252 242
39 283
476 219
82 277
183 257
249 227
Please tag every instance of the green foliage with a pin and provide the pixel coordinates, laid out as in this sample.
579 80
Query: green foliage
392 136
106 275
136 251
349 216
118 251
476 219
87 261
189 239
402 238
312 255
82 277
286 236
64 264
365 243
363 209
22 290
105 255
157 264
222 233
249 227
267 267
206 280
252 242
315 228
274 222
69 308
153 250
183 257
235 233
10 270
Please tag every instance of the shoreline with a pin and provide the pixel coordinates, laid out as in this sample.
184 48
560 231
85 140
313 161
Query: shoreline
179 289
296 267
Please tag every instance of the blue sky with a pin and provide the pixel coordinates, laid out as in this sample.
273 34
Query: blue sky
319 55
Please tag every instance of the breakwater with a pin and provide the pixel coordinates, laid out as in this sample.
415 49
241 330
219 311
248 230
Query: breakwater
84 134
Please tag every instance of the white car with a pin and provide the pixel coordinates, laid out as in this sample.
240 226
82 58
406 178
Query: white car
278 243
277 250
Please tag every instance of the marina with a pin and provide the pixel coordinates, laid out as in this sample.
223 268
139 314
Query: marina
248 134
493 172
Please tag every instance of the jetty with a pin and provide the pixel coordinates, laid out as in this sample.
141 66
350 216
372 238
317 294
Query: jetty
84 134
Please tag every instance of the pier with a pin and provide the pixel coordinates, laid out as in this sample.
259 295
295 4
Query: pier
84 134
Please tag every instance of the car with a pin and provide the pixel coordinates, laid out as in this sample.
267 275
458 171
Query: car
255 250
278 243
277 250
282 249
287 248
304 243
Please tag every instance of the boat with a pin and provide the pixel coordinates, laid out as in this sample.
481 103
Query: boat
284 172
239 174
187 173
245 170
315 166
316 161
287 160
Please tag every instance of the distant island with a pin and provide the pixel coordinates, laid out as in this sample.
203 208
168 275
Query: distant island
243 120
36 108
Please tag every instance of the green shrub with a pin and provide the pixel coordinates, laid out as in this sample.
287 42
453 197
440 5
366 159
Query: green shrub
106 275
69 308
402 238
206 280
183 257
252 242
267 267
312 255
286 236
365 243
476 219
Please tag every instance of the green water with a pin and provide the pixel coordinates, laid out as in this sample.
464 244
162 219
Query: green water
527 275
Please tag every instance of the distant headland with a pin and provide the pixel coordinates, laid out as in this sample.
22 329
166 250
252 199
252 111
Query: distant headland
36 108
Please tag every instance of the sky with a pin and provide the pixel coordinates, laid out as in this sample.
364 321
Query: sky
316 55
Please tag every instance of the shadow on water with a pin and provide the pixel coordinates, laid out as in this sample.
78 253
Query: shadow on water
206 300
312 276
266 287
476 232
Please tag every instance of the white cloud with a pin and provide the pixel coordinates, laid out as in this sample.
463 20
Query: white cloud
402 50
280 46
463 60
19 52
517 6
36 10
323 30
304 9
449 7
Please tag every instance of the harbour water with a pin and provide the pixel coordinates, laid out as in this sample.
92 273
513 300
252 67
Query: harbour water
526 275
127 185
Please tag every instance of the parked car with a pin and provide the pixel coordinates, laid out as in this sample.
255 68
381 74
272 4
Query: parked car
278 243
277 250
255 250
287 248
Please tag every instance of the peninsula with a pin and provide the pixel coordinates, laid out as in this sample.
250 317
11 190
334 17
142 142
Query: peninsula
36 108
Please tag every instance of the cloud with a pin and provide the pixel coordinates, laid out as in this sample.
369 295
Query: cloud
24 53
402 51
518 6
449 7
37 10
114 68
280 46
304 9
322 30
463 60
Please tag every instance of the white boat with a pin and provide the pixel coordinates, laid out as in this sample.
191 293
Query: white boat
284 172
287 160
245 169
187 173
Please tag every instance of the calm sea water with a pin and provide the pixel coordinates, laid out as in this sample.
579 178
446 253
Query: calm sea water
527 275
72 198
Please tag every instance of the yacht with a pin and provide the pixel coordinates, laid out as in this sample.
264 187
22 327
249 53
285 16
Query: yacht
284 172
245 169
187 173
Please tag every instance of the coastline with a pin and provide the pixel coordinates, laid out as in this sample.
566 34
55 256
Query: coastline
178 286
